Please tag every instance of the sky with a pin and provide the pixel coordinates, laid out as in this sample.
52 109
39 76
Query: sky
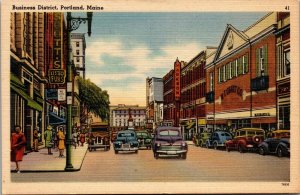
126 48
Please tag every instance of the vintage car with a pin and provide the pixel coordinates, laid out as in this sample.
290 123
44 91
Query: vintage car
218 139
168 141
278 142
246 139
144 139
202 138
99 137
126 141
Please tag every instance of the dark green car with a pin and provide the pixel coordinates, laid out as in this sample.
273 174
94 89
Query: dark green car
201 140
144 139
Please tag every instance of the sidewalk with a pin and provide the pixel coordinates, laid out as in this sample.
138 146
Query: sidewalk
42 162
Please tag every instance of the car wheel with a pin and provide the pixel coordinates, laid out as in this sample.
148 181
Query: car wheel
241 149
155 155
262 150
183 155
90 149
280 152
227 149
201 144
215 145
207 145
116 151
136 151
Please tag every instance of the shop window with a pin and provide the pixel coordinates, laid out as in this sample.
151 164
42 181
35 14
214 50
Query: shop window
287 69
284 117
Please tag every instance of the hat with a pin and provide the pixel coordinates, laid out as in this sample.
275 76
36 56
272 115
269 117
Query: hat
49 127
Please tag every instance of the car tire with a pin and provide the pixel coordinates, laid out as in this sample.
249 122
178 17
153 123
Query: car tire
241 149
280 152
136 151
183 155
262 150
156 155
215 145
116 151
227 148
201 144
90 149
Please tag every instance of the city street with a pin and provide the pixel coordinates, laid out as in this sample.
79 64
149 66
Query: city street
201 165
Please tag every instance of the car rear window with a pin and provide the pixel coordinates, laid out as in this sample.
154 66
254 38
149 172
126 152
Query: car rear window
226 135
126 135
169 133
142 134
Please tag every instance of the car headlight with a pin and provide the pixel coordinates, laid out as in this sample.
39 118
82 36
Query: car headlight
183 144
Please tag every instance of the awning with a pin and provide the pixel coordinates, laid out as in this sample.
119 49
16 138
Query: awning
30 102
56 120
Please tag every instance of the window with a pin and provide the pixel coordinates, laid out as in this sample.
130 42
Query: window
245 64
239 66
261 61
287 69
77 52
224 72
77 59
229 70
211 81
77 44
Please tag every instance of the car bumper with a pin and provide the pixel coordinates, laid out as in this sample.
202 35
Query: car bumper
98 146
144 145
126 149
170 152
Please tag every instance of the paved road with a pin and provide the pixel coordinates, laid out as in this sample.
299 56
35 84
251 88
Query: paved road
201 165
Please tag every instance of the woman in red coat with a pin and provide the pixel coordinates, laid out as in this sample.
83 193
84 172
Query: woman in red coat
82 138
18 142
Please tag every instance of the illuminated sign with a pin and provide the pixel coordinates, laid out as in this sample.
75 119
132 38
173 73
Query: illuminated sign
57 46
177 68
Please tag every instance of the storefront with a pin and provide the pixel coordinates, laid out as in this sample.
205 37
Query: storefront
188 127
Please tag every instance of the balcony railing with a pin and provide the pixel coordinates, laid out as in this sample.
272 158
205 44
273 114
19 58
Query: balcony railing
210 96
260 83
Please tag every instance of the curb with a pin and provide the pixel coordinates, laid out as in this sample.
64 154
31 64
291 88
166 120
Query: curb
49 171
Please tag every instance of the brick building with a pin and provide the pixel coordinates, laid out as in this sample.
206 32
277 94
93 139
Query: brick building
242 78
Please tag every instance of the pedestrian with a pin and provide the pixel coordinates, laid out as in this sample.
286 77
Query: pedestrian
36 140
78 136
48 139
74 138
55 139
18 142
61 142
82 138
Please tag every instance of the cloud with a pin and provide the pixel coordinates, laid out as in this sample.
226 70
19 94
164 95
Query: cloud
122 68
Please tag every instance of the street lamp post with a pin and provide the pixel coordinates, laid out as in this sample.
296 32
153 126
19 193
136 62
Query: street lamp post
72 24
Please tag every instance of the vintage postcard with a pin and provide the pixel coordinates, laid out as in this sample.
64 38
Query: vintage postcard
137 96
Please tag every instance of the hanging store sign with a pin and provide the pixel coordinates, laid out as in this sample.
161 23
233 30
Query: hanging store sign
177 68
57 76
61 93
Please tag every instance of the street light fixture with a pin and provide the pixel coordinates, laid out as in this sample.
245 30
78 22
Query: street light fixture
72 24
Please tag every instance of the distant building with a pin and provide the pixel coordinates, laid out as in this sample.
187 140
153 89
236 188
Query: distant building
78 50
120 115
154 108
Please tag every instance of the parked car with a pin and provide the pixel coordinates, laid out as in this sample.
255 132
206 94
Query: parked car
202 138
218 139
144 139
99 137
169 141
246 139
278 142
126 140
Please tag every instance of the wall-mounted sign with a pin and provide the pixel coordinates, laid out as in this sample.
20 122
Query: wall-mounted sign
57 76
232 89
61 93
57 45
51 94
284 88
262 114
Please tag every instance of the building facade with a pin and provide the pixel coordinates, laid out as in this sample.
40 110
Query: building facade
27 78
241 90
154 108
283 82
78 50
121 113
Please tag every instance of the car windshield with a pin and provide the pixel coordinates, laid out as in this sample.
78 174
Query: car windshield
126 135
169 133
